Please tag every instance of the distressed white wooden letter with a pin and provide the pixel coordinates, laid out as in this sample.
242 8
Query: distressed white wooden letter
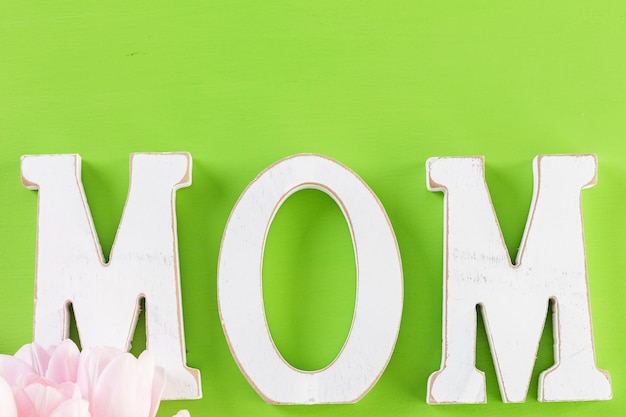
378 308
143 262
514 298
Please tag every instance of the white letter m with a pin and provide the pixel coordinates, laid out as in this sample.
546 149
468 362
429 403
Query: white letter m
514 298
143 263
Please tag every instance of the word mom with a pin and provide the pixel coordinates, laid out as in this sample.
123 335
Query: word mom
477 270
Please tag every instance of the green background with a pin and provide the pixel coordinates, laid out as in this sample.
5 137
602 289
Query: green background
378 85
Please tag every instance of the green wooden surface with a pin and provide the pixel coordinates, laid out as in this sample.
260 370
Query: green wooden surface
378 85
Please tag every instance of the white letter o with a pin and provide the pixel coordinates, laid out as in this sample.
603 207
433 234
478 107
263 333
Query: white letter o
378 307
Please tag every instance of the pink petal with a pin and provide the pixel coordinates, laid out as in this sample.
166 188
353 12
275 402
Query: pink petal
35 356
91 364
28 379
45 398
24 404
8 407
69 390
156 382
158 385
183 413
124 388
12 369
74 407
63 364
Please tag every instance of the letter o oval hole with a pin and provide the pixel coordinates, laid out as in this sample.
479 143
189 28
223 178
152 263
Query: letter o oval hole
309 280
379 288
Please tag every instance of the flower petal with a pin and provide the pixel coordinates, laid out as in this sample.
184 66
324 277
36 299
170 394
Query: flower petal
45 398
158 381
91 364
69 390
35 356
124 388
158 385
74 407
24 404
8 407
63 364
13 369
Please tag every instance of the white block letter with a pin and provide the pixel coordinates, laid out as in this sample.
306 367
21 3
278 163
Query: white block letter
143 262
514 298
378 307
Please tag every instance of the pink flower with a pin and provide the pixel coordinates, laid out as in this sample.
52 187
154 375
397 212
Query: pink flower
119 385
63 382
41 400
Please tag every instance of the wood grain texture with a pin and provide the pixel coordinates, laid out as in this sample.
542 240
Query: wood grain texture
550 265
143 263
378 308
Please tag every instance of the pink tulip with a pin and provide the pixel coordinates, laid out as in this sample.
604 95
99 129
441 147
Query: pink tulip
119 385
41 398
62 382
57 363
